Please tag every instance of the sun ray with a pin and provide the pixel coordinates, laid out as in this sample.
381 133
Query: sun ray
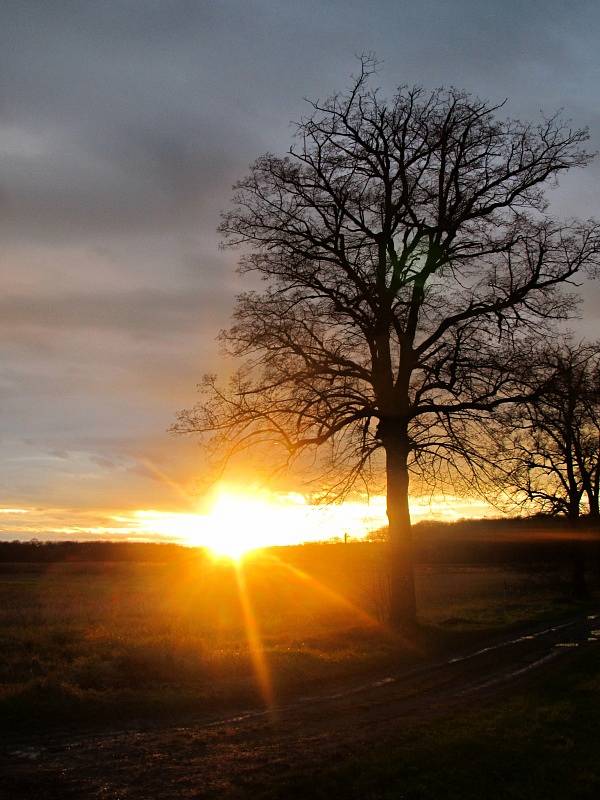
255 645
330 594
167 480
334 596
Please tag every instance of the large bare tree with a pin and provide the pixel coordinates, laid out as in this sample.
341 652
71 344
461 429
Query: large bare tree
404 245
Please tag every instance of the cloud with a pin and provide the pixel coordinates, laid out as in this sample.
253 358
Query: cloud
122 128
145 312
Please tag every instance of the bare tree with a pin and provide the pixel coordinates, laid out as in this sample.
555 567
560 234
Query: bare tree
547 450
404 245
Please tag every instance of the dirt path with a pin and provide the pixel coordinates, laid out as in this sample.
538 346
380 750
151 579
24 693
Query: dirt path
237 756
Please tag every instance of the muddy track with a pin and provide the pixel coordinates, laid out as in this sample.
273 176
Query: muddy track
238 755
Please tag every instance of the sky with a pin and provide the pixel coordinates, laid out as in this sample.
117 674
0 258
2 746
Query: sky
122 128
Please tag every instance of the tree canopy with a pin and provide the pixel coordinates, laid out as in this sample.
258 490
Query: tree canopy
404 245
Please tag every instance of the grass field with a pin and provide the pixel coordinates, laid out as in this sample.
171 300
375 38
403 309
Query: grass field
102 643
541 742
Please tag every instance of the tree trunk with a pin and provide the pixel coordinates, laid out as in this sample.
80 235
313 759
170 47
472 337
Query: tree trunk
403 605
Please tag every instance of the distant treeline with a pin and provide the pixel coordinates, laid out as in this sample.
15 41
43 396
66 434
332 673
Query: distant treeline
506 540
485 541
40 551
533 526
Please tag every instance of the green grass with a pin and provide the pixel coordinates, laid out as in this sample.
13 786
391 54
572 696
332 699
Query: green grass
100 643
541 743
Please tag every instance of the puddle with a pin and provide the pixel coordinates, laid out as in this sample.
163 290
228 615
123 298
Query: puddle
30 753
525 638
383 682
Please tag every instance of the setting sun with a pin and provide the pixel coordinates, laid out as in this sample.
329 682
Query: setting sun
238 523
235 520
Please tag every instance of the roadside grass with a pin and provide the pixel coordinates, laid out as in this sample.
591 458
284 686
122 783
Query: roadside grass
542 742
107 643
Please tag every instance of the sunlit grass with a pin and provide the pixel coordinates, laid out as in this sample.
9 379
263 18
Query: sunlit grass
143 639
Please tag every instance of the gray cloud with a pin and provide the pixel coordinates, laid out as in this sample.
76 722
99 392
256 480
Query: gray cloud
122 127
146 312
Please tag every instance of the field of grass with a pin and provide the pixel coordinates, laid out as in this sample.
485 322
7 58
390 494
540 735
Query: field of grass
96 643
541 742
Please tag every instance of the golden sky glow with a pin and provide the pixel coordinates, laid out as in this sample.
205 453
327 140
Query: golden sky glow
115 171
232 520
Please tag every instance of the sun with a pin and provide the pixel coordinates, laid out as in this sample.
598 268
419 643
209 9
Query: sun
234 520
239 522
231 526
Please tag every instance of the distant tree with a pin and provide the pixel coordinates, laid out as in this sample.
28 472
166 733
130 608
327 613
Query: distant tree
547 449
405 246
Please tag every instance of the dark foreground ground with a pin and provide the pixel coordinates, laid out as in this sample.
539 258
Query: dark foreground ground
518 718
188 678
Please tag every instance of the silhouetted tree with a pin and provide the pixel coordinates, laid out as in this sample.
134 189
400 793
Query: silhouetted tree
550 448
404 246
547 450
